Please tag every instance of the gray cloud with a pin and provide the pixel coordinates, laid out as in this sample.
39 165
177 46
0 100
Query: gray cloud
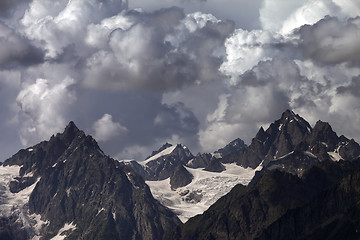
17 51
353 88
7 7
145 56
176 119
331 41
106 129
174 74
244 13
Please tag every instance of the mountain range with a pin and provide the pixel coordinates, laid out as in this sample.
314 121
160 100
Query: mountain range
293 180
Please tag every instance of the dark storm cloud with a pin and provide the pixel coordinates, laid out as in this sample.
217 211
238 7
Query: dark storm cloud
16 51
176 119
331 41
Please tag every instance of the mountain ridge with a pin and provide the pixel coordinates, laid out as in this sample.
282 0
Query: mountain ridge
289 144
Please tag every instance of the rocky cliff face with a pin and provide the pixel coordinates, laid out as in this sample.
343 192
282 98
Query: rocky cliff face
233 146
331 214
163 163
86 195
180 178
283 206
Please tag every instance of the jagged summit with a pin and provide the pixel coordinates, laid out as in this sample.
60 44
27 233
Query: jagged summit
323 132
71 127
162 148
233 146
70 132
289 114
163 164
290 141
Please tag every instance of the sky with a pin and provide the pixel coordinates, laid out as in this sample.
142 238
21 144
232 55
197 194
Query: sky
136 74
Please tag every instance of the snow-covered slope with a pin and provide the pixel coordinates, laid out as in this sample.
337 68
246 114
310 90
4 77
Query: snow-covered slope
14 205
165 152
205 189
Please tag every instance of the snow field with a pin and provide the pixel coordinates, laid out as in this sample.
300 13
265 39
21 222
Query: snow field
205 189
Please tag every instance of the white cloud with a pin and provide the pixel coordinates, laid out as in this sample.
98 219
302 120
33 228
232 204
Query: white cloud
309 13
273 13
42 108
349 8
106 129
98 34
55 25
244 50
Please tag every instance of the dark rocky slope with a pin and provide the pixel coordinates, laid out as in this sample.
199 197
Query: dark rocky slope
160 167
283 206
78 184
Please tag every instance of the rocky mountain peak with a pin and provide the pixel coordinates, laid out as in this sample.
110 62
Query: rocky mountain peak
163 164
181 177
288 114
74 183
323 132
70 132
261 135
289 118
233 146
162 148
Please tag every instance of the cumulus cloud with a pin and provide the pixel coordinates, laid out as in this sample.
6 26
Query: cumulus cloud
178 74
331 41
284 16
42 108
161 51
58 24
106 129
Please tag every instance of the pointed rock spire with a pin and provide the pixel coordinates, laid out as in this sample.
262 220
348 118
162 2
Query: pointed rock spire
70 132
261 135
181 177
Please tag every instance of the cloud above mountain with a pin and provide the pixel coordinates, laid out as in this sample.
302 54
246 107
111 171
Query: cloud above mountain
139 73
